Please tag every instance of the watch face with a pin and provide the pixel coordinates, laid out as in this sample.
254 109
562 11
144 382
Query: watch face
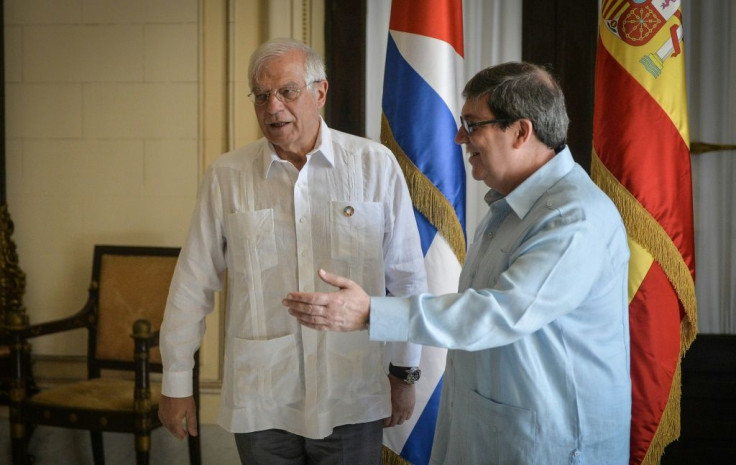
412 375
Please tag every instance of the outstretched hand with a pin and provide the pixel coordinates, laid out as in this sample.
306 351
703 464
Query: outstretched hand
346 309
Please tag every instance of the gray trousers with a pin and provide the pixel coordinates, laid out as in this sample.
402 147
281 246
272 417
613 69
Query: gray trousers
358 444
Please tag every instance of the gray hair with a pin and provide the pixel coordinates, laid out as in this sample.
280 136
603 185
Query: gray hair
523 90
314 66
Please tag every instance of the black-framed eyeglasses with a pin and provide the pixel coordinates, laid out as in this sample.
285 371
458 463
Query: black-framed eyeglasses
284 94
470 127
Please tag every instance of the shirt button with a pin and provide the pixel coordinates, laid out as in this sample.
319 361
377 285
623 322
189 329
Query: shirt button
491 235
302 219
348 211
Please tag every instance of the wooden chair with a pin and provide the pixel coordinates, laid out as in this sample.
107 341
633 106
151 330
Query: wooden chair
127 295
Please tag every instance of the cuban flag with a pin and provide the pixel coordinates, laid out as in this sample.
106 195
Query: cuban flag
422 84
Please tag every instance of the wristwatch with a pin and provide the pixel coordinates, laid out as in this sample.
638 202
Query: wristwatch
409 375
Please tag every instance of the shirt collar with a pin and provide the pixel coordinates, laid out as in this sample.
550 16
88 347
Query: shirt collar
528 192
322 150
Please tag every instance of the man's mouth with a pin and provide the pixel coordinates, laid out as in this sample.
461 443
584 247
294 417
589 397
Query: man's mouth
278 124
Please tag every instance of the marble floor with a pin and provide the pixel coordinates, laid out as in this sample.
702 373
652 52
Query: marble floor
56 446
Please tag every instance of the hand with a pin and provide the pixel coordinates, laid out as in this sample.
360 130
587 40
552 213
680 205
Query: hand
403 398
344 310
178 415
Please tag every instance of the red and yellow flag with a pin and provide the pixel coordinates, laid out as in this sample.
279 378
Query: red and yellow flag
641 158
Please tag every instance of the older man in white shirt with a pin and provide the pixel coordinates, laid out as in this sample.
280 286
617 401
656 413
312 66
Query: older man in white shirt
272 213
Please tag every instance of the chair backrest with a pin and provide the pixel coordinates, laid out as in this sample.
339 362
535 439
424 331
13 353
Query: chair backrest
132 282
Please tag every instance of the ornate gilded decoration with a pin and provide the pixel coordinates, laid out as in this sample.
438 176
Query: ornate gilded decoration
12 278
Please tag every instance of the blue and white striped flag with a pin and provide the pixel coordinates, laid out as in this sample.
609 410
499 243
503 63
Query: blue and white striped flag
421 104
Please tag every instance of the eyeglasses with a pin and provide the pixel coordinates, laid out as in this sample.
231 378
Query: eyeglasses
470 127
284 94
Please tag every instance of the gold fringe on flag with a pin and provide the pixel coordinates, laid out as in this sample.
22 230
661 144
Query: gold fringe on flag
642 227
389 457
427 198
668 429
645 230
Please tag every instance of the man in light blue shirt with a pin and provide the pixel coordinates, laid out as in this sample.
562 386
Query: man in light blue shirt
538 371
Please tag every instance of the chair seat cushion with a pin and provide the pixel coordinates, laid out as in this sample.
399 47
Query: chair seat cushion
95 394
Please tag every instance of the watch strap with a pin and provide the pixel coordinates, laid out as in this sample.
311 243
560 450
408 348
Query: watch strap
409 375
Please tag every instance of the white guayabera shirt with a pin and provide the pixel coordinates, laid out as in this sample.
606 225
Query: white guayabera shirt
272 227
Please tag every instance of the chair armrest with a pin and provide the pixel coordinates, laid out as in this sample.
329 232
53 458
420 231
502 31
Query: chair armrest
82 319
153 341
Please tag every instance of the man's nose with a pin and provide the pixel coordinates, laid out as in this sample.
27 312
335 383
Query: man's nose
461 137
274 104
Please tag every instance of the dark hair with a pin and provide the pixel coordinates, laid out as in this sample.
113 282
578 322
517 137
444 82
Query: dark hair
523 90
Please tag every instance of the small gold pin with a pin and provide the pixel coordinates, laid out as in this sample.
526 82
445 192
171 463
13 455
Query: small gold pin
348 211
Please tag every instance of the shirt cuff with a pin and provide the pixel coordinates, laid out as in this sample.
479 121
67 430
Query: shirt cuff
177 384
404 354
389 319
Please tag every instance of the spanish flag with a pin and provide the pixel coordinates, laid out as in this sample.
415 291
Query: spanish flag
641 159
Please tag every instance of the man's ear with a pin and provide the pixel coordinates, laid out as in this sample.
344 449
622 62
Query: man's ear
321 88
522 132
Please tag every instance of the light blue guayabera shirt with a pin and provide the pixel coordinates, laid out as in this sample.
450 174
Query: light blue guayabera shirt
538 371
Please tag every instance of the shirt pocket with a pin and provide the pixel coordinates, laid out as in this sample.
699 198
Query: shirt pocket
356 229
492 427
252 240
354 367
266 371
